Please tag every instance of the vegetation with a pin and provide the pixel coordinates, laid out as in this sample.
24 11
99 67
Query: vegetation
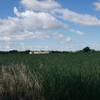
86 49
55 76
18 83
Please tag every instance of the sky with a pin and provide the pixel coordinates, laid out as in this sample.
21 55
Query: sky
65 25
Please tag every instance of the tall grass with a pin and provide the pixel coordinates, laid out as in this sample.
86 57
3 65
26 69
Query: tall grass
66 76
18 83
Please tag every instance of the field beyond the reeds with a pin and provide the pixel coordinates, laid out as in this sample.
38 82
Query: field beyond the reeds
58 76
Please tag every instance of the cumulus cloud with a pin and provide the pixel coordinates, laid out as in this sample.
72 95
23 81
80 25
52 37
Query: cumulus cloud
54 6
41 5
28 25
16 29
37 19
69 15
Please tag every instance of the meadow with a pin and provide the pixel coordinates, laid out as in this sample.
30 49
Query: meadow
58 76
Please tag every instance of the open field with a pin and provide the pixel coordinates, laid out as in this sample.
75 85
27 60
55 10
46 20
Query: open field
59 76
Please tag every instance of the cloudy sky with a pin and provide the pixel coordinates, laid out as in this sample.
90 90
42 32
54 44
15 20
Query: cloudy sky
49 24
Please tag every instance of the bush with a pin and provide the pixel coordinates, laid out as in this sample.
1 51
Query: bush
86 49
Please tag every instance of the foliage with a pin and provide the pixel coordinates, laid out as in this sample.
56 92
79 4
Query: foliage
86 49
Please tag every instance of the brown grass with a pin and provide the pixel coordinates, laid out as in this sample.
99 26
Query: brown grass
18 83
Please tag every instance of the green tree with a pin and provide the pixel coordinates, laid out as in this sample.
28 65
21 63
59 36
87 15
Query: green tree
86 49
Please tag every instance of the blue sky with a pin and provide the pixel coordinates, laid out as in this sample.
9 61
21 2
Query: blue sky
49 24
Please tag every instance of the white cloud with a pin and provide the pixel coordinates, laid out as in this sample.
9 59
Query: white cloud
54 6
28 25
39 20
43 5
64 13
62 38
97 5
5 38
77 31
16 29
83 19
36 21
95 46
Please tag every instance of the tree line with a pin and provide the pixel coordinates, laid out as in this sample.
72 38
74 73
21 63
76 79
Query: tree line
84 50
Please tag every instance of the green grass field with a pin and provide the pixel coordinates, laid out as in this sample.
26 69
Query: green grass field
59 76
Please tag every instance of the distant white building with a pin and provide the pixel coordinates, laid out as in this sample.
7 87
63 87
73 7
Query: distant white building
39 52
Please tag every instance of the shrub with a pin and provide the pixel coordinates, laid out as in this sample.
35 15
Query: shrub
86 49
